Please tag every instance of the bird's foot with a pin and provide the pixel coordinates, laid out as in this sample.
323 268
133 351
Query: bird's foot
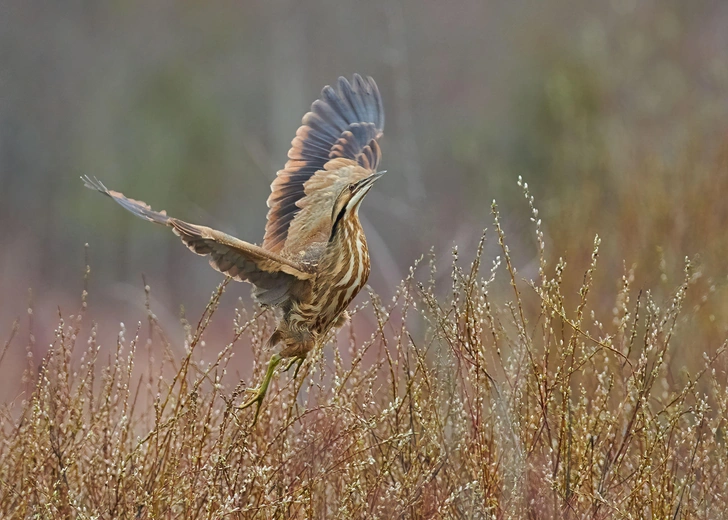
297 359
260 391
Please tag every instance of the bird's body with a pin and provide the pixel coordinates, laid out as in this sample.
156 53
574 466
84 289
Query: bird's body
340 267
314 257
344 269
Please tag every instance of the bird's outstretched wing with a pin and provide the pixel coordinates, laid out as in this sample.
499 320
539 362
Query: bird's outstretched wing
336 144
271 274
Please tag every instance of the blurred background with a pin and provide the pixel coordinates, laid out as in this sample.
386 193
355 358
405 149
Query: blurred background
615 113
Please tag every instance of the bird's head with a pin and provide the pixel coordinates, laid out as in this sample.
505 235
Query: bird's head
350 198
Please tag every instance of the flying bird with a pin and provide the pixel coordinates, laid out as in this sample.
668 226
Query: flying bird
314 258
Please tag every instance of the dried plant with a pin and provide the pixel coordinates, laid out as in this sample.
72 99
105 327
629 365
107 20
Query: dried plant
478 395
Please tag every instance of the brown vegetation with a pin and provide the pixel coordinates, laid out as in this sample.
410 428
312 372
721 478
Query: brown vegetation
487 397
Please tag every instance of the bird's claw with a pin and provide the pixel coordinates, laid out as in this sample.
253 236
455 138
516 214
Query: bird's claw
257 399
259 392
299 360
263 388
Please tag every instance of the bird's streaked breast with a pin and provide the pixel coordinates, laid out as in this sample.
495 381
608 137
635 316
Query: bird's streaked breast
345 270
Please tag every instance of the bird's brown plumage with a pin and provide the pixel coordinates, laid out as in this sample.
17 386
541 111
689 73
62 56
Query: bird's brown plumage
335 145
314 257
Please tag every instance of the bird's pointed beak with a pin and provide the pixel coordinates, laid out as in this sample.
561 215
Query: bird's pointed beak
368 181
362 187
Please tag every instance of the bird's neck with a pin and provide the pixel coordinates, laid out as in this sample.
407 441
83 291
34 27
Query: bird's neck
347 242
344 265
346 231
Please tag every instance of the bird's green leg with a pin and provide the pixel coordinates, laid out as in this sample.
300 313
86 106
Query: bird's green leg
300 360
263 388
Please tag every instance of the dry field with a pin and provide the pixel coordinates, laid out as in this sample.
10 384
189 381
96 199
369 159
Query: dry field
482 393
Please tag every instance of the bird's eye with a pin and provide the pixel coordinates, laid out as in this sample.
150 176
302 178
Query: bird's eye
352 187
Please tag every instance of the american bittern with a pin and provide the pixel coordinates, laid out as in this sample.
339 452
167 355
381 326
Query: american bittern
314 257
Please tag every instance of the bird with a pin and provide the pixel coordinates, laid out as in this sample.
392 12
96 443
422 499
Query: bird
313 259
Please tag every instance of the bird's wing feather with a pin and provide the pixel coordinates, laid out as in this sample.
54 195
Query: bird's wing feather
270 273
337 139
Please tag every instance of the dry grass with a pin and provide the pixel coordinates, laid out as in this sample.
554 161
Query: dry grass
480 402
